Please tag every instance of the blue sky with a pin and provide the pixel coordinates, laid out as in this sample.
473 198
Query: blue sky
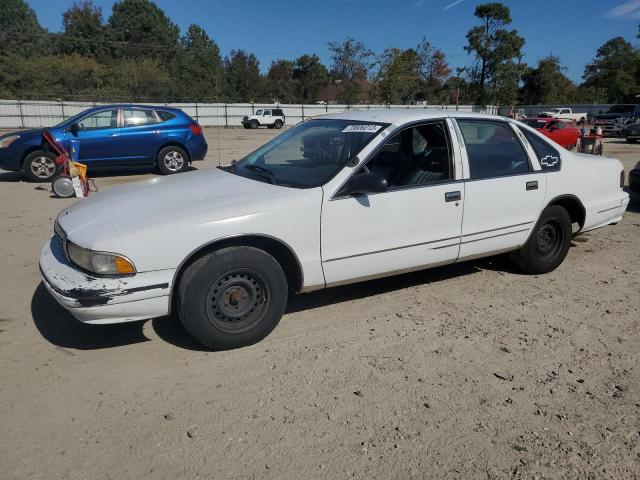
571 29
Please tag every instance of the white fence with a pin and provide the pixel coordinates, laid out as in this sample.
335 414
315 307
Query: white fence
38 113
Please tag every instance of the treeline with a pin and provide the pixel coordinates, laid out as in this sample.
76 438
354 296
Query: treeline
139 54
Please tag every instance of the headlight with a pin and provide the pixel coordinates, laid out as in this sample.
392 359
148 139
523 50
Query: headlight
102 263
6 141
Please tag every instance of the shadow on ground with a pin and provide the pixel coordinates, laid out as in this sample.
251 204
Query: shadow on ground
60 328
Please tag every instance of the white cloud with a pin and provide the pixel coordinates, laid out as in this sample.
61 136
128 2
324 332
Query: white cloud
420 3
628 9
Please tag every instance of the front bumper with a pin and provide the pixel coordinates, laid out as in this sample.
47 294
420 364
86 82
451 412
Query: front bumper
102 300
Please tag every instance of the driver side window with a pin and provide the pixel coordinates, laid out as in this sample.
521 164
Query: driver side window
416 156
99 120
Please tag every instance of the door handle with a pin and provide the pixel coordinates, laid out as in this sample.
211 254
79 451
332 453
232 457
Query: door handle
452 196
532 185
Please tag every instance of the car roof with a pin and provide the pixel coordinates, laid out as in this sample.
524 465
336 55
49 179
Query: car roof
405 115
136 105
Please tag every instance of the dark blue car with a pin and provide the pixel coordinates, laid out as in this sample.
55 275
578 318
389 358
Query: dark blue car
113 135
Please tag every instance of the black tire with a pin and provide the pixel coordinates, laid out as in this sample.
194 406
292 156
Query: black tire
631 140
278 124
254 124
172 160
40 166
270 127
548 243
232 297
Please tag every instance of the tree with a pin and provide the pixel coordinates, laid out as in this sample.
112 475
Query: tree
20 31
547 83
434 70
494 46
399 77
242 77
351 64
140 29
84 31
142 79
198 65
615 70
280 85
311 76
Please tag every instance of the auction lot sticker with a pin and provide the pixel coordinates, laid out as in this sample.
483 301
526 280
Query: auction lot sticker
362 128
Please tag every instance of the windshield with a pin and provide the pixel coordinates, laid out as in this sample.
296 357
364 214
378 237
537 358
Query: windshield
534 122
621 109
309 154
259 112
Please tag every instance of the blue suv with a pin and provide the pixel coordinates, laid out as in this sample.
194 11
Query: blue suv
113 135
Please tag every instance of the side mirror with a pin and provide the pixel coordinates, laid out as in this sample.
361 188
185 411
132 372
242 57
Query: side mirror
365 183
73 128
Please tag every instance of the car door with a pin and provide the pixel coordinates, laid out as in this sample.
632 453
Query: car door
503 191
266 118
97 135
415 223
139 136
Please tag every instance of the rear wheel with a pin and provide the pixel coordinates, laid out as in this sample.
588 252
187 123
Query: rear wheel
278 124
40 166
172 160
631 140
548 243
232 297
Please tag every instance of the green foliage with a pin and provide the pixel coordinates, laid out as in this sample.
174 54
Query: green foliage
310 77
280 86
615 70
84 31
198 65
351 63
20 31
547 83
242 80
497 52
142 79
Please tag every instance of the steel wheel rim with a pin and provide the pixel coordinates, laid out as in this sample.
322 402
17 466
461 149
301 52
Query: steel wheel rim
43 167
237 300
173 161
550 238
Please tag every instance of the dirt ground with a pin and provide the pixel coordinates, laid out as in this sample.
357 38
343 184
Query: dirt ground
467 371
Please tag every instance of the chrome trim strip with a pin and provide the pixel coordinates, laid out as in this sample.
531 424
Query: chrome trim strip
495 236
609 209
496 229
389 249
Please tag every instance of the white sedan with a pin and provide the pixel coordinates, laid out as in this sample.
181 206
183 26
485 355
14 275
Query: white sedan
337 199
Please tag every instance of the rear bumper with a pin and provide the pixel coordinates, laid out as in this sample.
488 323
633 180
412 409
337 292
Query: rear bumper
198 149
103 300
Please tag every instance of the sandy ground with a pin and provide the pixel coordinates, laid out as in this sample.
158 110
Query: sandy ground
467 371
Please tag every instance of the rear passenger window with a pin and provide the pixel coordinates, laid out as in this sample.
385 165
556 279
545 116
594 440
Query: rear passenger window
548 156
492 149
165 116
134 117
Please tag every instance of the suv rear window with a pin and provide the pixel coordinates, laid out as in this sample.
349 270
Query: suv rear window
277 112
164 116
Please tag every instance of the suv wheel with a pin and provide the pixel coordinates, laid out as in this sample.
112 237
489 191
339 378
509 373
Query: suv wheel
254 124
548 243
232 297
40 166
278 124
172 160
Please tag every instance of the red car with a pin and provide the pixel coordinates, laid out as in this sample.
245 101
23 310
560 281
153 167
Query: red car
563 132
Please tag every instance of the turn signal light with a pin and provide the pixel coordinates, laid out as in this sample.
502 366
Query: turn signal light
123 265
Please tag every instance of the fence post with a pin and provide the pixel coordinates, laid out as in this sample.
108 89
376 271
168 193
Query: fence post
21 113
197 116
226 118
253 110
62 109
302 105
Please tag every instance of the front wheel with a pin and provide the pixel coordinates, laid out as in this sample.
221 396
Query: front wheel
548 243
232 297
172 160
254 124
40 166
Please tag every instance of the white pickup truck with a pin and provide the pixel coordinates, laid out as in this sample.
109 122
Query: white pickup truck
566 113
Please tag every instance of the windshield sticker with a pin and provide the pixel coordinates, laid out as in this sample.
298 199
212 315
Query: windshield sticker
362 128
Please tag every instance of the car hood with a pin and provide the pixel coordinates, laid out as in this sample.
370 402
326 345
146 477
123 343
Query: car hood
167 205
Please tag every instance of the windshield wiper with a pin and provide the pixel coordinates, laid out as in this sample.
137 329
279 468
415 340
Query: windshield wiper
265 172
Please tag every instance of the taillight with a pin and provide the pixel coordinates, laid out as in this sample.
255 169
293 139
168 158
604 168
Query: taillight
195 129
622 179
